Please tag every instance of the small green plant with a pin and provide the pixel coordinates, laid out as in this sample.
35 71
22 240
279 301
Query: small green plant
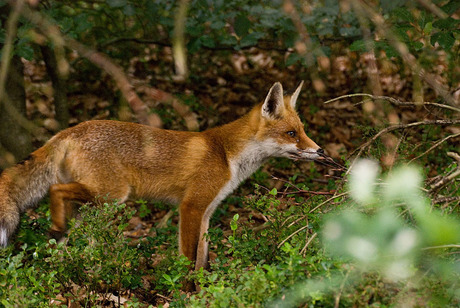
143 209
389 231
91 263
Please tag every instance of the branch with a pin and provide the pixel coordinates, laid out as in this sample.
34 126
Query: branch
137 105
183 110
407 57
446 179
99 59
393 101
402 126
435 146
7 50
262 44
179 49
304 47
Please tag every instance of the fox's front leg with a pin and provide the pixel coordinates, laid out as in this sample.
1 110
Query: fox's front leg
194 222
192 243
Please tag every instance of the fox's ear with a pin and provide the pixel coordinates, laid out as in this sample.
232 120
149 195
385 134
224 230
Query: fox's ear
274 103
295 95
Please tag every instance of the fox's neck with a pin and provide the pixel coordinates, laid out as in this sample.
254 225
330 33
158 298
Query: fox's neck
245 152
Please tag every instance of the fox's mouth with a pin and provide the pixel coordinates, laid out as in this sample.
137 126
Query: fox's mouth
304 155
317 157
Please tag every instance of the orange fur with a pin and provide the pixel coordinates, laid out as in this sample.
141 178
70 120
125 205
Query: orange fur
125 160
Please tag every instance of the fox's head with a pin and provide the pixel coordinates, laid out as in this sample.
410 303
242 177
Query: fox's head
281 127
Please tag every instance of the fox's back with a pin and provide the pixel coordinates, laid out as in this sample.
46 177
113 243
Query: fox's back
117 156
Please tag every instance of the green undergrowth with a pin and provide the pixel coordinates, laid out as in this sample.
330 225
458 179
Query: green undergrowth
381 245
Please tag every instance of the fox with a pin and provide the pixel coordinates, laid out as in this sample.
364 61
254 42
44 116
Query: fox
123 160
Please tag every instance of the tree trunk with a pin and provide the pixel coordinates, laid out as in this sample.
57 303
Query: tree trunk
13 137
61 105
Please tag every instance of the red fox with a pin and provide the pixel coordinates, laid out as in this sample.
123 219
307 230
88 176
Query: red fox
126 160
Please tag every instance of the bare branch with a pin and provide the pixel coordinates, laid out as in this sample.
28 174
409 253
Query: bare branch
99 59
305 46
435 146
183 110
179 49
408 58
402 126
393 101
448 178
7 50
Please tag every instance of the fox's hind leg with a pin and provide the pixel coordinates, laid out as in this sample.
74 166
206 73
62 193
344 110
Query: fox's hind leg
62 196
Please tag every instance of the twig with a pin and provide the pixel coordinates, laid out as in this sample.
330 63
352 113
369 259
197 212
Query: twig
183 110
441 246
292 223
342 285
361 148
164 221
304 249
403 50
316 193
445 199
179 49
433 8
164 297
434 146
99 59
395 151
446 179
287 238
392 100
267 45
7 50
305 46
324 202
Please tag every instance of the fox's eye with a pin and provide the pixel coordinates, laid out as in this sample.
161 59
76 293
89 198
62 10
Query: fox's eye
291 133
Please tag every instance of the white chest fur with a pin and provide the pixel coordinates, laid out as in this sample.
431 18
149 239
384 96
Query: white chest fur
242 166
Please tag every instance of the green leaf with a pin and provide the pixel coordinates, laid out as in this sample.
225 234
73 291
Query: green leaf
117 3
446 24
129 10
359 45
445 39
292 59
242 25
349 31
274 192
390 51
389 5
404 14
228 40
25 51
428 28
451 7
217 24
207 41
417 45
439 230
251 39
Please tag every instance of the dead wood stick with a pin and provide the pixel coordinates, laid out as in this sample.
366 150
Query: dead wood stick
435 146
446 179
391 128
392 100
183 110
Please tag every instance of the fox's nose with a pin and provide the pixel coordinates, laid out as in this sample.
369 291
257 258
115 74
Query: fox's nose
320 151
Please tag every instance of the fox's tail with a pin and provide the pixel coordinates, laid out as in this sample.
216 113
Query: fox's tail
21 187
